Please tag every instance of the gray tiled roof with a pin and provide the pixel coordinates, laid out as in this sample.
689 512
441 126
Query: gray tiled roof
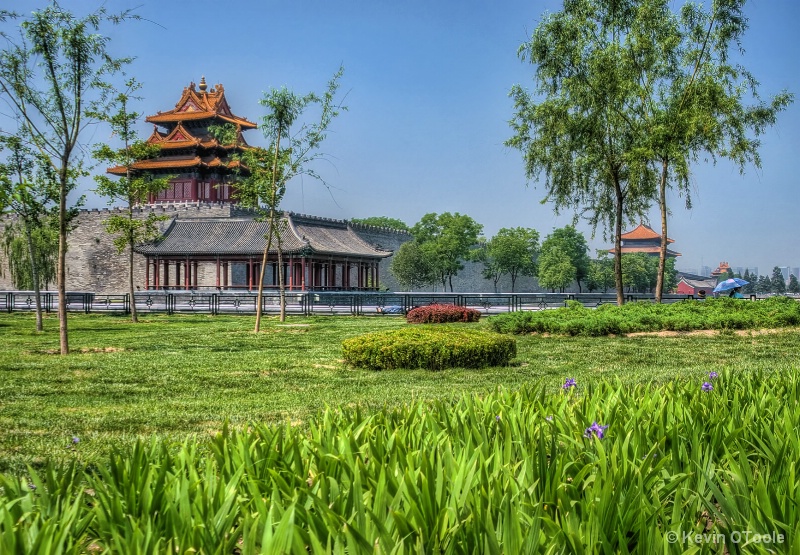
247 237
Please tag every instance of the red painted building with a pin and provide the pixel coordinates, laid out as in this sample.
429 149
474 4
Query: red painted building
644 239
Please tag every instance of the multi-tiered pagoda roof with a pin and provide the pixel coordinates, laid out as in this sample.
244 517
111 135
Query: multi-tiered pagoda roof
644 239
202 167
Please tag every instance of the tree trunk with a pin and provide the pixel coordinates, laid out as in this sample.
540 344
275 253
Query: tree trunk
618 243
134 315
281 284
260 295
61 277
37 294
662 253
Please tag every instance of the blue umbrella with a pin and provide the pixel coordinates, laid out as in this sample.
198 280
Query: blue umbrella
729 284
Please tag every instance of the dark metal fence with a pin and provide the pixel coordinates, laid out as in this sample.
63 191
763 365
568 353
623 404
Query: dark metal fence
304 303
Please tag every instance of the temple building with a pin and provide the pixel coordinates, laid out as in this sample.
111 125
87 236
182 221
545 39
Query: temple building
202 167
222 248
644 239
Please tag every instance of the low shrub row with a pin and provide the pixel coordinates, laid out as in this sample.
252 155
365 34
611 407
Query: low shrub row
643 316
604 469
429 347
442 313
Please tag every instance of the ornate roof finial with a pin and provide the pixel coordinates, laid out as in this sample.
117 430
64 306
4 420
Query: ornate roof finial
203 84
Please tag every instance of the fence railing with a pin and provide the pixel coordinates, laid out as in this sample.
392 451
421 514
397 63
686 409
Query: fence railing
304 303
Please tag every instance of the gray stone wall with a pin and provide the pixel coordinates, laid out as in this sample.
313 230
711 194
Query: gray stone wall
93 263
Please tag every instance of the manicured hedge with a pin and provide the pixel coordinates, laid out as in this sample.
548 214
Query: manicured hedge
442 313
432 348
644 316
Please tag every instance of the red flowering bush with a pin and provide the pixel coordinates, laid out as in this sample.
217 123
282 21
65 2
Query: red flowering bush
442 313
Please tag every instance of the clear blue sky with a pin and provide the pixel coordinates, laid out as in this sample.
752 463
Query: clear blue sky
427 84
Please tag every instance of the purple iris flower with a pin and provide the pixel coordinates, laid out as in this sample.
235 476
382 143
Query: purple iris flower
595 430
707 386
75 440
713 375
569 383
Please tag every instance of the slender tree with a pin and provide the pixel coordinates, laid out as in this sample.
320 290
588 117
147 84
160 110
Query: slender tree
579 127
132 189
53 75
29 196
291 152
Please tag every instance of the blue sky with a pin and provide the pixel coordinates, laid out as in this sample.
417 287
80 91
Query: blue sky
427 83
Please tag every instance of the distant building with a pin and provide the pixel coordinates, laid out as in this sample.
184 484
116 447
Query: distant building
644 239
721 269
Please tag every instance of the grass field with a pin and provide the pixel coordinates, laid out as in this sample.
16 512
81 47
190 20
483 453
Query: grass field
181 375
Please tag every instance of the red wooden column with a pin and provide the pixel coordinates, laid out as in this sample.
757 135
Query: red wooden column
157 269
147 274
377 266
250 274
194 274
224 275
217 286
186 272
303 274
166 274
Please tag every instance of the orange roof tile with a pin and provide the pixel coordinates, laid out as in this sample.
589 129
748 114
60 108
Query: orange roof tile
643 232
194 105
647 250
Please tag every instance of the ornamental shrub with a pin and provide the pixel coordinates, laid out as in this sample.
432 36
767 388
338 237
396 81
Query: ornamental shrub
643 316
431 348
442 313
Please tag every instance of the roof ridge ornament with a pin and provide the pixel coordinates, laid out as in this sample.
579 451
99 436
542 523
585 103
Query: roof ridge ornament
203 85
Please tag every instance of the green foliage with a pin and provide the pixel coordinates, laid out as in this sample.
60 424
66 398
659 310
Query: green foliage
556 270
509 471
448 240
44 239
573 243
382 221
442 314
432 348
512 251
777 281
413 266
643 316
601 274
794 286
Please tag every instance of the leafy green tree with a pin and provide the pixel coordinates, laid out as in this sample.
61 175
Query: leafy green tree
750 288
572 242
794 286
53 76
448 239
382 221
692 97
579 127
29 245
556 270
777 281
512 251
601 274
412 266
269 170
635 272
764 285
132 189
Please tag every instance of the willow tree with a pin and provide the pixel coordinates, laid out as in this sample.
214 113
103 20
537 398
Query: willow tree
293 148
694 98
25 192
53 76
579 127
134 187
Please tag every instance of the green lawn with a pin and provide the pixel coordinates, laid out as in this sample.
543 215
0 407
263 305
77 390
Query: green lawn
179 375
